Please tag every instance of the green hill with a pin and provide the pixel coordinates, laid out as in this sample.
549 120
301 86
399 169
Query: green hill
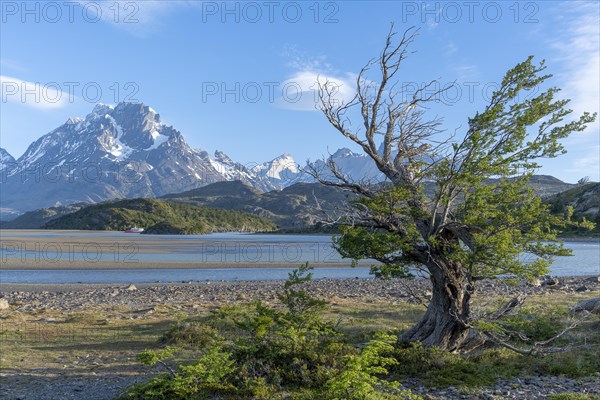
585 200
37 218
160 216
297 208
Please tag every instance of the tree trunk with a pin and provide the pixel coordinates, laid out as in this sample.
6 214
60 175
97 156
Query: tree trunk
445 323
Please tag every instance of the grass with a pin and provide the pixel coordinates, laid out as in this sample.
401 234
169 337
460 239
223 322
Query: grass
109 340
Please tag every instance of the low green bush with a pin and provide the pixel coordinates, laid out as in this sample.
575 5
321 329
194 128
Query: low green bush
439 368
535 324
190 335
572 364
257 351
261 351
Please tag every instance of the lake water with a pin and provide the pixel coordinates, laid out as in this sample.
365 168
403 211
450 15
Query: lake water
256 250
170 275
89 247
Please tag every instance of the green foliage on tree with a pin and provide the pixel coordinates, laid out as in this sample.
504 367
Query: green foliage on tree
482 217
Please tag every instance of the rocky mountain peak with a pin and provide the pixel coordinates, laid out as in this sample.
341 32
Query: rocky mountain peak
125 151
74 121
7 162
5 156
222 157
101 109
344 152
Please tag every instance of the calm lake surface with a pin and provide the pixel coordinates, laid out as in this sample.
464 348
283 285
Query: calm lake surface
89 248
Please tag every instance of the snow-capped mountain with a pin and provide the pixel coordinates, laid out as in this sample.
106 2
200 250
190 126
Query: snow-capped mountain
122 151
355 167
5 157
127 151
235 171
282 171
6 160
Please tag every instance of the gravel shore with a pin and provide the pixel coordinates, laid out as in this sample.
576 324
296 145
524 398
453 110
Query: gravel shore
82 297
143 299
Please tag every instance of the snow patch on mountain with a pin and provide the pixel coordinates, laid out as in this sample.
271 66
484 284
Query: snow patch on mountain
282 170
117 148
5 156
158 138
354 166
7 162
127 151
230 169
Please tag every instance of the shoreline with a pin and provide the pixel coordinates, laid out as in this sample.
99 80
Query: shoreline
288 232
584 239
82 340
39 265
375 285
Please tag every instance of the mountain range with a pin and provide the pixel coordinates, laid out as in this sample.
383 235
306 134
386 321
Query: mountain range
300 207
126 151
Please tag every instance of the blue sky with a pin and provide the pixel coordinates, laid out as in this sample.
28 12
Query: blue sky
237 76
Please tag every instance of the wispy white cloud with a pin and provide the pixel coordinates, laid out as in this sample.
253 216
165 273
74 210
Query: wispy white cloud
466 72
578 51
586 162
32 94
432 23
301 61
450 48
301 91
138 18
589 160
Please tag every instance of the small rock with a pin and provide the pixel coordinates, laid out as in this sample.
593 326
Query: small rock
582 289
551 282
594 279
4 304
131 288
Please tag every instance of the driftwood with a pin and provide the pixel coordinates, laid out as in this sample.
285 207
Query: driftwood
540 347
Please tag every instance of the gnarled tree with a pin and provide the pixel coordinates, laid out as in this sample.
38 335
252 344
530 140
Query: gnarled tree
456 207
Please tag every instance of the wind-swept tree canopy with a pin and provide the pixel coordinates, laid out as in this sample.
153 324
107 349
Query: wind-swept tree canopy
480 216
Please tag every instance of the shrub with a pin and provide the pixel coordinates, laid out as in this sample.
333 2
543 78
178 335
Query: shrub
439 368
207 376
534 324
575 364
360 377
190 335
272 353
